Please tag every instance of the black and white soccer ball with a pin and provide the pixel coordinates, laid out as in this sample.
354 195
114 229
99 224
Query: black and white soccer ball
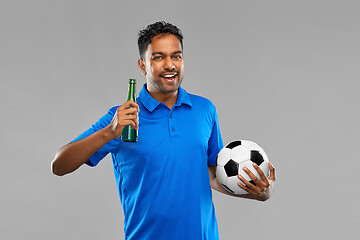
233 158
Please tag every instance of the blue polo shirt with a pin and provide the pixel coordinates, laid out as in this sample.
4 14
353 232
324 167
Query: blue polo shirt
163 179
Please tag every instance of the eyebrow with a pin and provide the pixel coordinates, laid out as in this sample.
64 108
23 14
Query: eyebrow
161 53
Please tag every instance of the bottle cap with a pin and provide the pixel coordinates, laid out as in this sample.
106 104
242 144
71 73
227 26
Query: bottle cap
132 81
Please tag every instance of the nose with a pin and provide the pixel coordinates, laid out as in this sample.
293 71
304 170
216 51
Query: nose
168 64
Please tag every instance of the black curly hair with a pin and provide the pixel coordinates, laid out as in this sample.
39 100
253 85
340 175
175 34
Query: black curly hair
161 27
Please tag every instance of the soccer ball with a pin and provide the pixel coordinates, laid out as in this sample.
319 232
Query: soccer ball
233 158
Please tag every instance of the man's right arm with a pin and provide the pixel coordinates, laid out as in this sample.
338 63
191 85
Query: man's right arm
71 156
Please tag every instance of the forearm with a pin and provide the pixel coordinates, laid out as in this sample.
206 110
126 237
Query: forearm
217 186
262 197
73 155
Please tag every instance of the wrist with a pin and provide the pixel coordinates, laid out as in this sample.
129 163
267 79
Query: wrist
107 133
266 193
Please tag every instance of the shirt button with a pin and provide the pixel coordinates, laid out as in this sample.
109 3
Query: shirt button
170 115
172 129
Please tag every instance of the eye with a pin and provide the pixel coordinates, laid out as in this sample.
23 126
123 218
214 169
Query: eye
156 57
178 57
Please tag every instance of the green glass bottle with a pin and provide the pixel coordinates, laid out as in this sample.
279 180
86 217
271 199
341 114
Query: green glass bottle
128 134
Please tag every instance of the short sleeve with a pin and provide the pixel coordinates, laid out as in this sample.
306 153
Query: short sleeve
215 141
108 147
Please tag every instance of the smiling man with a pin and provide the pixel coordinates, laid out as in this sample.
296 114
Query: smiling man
164 179
163 65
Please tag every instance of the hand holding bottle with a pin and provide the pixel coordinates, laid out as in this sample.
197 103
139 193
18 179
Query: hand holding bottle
126 114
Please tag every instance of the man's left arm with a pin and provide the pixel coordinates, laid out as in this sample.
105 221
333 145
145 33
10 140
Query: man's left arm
261 190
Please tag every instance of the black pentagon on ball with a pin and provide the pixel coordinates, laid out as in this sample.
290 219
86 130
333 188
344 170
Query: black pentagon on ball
231 168
233 144
256 157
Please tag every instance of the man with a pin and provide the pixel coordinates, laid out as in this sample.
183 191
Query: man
164 179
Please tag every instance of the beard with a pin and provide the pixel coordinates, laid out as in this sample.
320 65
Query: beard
166 87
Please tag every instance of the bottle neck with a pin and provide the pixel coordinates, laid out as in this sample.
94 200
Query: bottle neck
131 92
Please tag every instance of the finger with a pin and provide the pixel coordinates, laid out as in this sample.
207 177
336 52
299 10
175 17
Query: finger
129 104
272 172
249 185
133 104
129 111
252 176
136 121
262 175
132 117
244 187
124 106
128 117
129 122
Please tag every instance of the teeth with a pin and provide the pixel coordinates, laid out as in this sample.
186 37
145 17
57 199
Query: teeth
169 76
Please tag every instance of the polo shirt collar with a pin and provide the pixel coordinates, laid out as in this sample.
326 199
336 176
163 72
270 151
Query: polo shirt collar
151 103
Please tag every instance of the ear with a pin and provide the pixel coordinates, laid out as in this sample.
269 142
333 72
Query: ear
141 65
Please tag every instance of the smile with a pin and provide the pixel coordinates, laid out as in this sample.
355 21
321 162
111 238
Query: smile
169 77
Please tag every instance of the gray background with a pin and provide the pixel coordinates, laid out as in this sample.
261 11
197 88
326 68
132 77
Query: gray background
284 74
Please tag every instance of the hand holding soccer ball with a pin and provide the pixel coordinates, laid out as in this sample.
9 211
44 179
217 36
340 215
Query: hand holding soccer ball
246 161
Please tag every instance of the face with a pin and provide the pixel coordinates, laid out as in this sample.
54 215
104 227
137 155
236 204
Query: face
163 64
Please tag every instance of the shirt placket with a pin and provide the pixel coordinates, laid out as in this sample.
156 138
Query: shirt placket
172 123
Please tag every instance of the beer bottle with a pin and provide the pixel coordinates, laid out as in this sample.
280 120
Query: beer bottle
128 134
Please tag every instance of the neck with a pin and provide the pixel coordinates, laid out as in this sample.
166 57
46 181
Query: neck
169 99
